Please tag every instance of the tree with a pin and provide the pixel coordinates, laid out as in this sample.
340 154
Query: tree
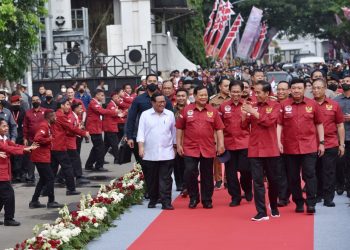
19 28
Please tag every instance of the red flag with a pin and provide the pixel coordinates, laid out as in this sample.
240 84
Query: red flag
224 18
231 36
260 41
346 11
211 21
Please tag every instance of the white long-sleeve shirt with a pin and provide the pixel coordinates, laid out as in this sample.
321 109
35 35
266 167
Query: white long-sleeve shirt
158 133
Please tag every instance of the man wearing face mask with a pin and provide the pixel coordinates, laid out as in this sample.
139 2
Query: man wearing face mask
18 114
343 176
82 95
7 116
32 119
49 103
62 93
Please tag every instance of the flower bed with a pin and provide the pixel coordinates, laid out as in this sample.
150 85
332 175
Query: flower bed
73 230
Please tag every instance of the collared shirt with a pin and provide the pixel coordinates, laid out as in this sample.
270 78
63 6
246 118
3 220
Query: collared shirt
218 99
332 116
158 133
235 136
140 104
8 117
85 98
263 134
344 103
199 127
299 122
31 121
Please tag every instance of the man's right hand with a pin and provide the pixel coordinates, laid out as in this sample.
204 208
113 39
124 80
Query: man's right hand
131 143
180 150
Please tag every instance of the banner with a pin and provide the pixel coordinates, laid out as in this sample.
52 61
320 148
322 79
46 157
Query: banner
211 22
259 43
230 37
250 33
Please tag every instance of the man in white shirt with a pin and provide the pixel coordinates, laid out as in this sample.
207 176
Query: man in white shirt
156 138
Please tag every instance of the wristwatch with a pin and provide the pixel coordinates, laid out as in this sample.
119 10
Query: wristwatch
342 145
322 142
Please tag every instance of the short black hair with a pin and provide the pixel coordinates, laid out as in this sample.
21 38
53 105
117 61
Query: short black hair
48 112
149 75
97 91
236 83
116 91
155 95
75 105
2 119
222 79
126 84
182 90
2 93
61 102
188 82
320 80
283 82
316 70
35 96
298 80
199 88
257 71
266 86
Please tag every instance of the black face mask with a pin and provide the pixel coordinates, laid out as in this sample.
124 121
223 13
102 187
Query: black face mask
81 91
3 103
345 87
49 98
152 87
333 86
15 107
36 105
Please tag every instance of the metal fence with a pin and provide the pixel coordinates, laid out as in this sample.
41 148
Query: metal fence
94 66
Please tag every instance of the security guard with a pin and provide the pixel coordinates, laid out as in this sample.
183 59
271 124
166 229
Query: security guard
216 101
196 127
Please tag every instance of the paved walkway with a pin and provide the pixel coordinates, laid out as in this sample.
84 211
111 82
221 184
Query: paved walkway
9 236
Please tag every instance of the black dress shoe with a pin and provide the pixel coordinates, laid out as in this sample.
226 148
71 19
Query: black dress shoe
234 203
310 209
318 199
89 168
340 191
54 204
329 204
82 181
299 208
11 223
152 204
249 196
167 207
193 204
36 204
146 196
100 170
69 192
207 205
282 203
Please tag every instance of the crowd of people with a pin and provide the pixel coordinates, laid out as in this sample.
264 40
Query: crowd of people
188 125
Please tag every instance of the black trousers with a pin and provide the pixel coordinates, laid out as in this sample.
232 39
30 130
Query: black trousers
111 141
268 166
283 188
347 166
120 132
62 158
79 141
159 181
339 173
7 199
76 162
16 164
97 153
238 163
206 175
179 170
325 172
47 179
136 153
307 164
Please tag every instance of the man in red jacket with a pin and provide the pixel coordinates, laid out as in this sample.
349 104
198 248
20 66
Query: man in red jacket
32 119
7 194
42 159
263 149
59 154
110 126
94 126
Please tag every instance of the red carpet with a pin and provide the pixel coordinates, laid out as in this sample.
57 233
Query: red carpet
224 227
